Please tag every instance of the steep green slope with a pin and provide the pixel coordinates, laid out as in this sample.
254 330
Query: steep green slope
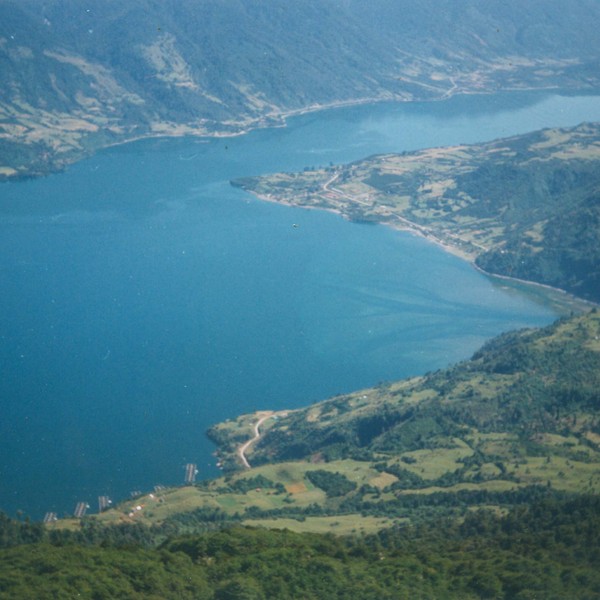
76 77
523 412
538 388
526 206
566 255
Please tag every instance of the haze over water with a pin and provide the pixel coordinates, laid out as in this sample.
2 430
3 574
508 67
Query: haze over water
144 299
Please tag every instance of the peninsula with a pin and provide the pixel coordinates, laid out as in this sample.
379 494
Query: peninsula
525 207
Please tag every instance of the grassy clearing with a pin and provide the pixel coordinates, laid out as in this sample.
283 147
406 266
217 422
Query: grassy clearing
383 480
339 525
494 485
300 492
242 427
156 507
494 444
560 473
432 464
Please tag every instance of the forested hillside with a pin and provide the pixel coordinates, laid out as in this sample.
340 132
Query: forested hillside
78 76
548 550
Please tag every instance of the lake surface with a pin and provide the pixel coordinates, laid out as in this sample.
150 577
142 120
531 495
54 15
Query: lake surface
145 299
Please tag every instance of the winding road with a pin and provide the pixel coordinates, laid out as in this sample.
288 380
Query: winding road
242 449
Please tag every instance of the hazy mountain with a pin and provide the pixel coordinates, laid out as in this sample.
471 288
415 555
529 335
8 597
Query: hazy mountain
80 75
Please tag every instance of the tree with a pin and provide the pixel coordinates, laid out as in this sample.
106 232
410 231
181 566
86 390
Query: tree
240 588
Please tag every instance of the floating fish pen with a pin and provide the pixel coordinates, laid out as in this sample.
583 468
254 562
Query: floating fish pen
104 502
190 473
80 509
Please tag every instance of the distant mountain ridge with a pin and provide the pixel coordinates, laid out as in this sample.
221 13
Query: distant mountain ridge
76 77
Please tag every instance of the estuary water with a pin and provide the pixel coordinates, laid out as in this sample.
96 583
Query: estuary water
145 299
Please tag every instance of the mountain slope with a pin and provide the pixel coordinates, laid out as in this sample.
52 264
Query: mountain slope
77 77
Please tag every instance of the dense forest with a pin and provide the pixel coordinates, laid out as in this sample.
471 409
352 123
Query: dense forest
550 549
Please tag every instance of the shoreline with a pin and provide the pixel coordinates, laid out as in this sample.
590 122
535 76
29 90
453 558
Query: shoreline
274 119
278 119
563 299
580 304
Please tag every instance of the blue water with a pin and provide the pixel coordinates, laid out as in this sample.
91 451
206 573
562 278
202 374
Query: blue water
144 298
